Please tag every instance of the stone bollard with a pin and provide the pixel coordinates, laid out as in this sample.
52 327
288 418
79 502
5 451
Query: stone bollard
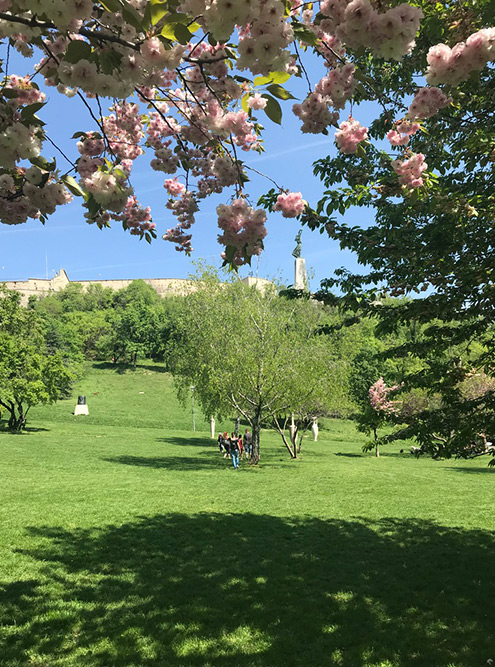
81 407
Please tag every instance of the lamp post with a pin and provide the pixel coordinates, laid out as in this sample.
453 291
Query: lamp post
192 407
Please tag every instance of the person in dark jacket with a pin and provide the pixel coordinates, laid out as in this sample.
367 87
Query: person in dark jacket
234 451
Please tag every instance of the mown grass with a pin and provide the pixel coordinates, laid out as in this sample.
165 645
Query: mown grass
127 541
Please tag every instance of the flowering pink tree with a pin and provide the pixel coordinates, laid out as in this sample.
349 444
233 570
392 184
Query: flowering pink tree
382 409
187 83
379 400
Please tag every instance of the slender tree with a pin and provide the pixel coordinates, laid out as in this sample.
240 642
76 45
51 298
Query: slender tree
29 372
252 353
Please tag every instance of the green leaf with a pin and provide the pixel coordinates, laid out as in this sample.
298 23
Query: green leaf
73 186
9 93
168 31
132 16
78 135
111 5
109 61
173 20
92 205
273 77
76 51
158 11
304 34
360 150
31 109
230 251
43 163
44 180
272 109
280 92
244 103
182 34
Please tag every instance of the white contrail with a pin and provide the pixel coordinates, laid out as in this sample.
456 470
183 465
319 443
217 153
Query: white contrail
17 229
295 149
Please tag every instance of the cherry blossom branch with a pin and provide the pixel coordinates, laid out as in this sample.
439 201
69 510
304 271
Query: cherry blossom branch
85 32
260 173
303 68
162 115
60 151
379 96
84 101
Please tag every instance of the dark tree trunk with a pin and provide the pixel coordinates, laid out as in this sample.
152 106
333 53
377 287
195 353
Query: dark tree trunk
17 419
256 424
255 456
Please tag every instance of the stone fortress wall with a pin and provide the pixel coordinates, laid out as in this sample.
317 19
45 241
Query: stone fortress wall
40 287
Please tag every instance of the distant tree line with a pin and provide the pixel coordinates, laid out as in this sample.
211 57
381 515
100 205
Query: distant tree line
272 359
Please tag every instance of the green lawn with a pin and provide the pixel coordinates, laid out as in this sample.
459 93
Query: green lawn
125 540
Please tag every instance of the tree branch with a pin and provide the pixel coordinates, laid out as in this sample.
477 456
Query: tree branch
86 32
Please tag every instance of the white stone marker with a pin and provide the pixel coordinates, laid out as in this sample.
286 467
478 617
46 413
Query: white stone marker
81 407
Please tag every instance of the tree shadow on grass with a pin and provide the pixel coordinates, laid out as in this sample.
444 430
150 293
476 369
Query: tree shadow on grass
152 367
252 591
118 368
190 441
350 456
489 470
275 457
205 460
28 429
121 367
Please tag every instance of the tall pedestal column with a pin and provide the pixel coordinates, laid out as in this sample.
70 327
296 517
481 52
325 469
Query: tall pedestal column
300 277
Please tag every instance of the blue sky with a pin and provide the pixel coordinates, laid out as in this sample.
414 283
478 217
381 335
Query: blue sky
85 252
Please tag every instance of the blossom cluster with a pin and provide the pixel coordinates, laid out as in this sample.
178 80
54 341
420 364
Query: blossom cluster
403 132
333 90
25 91
290 204
173 187
32 194
446 65
388 35
378 395
243 229
256 102
427 102
350 135
135 218
264 34
410 171
124 130
108 189
184 209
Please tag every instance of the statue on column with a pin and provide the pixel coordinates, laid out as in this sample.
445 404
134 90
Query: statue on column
297 250
300 277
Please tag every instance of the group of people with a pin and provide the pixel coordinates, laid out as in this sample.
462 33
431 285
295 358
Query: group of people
236 446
